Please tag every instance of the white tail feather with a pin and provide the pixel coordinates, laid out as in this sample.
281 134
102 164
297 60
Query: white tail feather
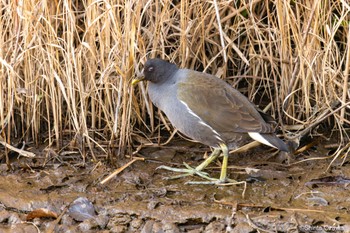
261 139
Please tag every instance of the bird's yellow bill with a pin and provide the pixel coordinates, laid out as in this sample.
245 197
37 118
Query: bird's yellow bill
137 80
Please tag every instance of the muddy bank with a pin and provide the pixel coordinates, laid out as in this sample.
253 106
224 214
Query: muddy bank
299 197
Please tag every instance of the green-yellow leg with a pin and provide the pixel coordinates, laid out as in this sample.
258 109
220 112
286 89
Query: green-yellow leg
188 171
223 175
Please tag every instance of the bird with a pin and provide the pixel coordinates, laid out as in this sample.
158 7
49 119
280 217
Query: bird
206 109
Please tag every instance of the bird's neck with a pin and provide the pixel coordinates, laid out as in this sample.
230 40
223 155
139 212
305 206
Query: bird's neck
168 76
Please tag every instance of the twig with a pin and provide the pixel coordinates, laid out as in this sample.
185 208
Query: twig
220 30
55 223
119 170
19 151
248 205
346 75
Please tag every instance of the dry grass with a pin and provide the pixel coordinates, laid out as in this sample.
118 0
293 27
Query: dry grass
66 66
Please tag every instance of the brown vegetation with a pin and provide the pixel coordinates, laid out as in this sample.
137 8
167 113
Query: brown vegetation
66 66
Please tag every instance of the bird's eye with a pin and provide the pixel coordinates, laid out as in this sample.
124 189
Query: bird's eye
150 69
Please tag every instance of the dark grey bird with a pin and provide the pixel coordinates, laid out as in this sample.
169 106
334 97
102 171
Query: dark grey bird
208 110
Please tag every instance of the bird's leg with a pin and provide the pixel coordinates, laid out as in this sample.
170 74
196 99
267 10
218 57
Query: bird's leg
188 171
223 173
223 180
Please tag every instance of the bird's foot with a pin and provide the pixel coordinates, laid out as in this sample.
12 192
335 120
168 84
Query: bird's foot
188 171
213 181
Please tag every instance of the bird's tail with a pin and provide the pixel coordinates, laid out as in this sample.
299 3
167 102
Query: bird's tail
270 140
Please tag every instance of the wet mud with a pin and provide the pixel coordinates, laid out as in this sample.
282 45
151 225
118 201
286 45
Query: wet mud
282 193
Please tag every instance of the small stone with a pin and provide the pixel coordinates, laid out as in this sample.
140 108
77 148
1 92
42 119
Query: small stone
82 209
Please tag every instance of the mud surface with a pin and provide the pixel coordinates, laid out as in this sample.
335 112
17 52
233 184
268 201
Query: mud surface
36 195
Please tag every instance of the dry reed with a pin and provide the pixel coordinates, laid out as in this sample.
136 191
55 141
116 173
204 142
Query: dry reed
66 66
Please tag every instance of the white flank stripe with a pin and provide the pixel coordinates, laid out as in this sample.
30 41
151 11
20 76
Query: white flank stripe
201 121
259 138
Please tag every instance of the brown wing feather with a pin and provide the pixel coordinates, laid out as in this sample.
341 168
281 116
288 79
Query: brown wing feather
222 107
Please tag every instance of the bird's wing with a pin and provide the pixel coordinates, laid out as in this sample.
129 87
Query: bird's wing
219 105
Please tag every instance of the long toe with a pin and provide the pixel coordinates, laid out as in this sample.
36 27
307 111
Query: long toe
188 171
219 182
